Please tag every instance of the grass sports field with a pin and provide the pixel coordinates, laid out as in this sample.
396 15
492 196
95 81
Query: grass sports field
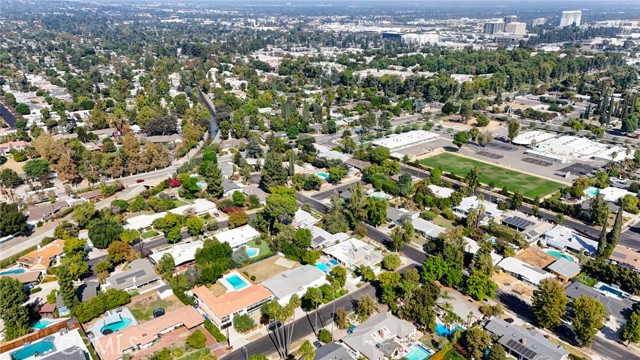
528 185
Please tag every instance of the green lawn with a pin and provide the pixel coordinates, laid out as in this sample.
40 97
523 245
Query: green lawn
149 234
144 311
528 185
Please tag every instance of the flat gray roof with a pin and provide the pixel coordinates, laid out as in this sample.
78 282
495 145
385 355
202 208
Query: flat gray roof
291 281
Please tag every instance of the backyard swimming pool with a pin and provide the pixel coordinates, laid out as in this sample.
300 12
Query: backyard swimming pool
323 175
12 272
380 195
445 331
322 267
252 252
592 191
40 348
559 255
417 353
115 326
611 290
236 281
41 324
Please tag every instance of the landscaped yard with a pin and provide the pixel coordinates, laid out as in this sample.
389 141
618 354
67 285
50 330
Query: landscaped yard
181 202
441 221
263 246
528 185
149 234
143 309
267 268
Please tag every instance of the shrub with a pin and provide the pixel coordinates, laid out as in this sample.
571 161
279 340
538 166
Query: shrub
176 352
197 340
110 299
213 330
35 290
325 336
243 323
391 262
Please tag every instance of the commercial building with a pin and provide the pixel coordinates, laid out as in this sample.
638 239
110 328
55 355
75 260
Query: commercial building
295 281
140 274
181 253
510 19
538 21
568 147
353 253
43 257
523 271
238 236
494 27
221 310
132 338
402 141
378 337
517 28
569 18
525 344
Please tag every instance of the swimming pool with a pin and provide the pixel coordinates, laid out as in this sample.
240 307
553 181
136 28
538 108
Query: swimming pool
12 272
445 331
417 353
592 191
252 252
611 290
115 326
41 324
333 263
379 195
322 267
323 175
40 348
236 282
559 255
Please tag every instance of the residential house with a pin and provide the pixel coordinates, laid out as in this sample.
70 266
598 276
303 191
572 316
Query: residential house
140 274
182 253
354 253
27 278
525 344
43 257
239 236
199 207
5 148
114 346
399 216
303 219
37 214
377 338
295 281
322 238
332 351
71 353
358 164
255 190
88 290
221 310
530 227
491 210
626 257
441 192
616 307
523 271
563 238
564 269
229 186
427 228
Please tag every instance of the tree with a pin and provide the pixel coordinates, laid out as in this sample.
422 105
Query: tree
9 178
631 330
336 173
366 272
356 206
307 350
325 336
129 236
549 303
243 323
436 176
512 129
376 210
237 219
460 138
104 231
368 121
482 120
162 125
449 108
342 319
391 262
588 319
497 352
14 315
67 291
598 208
83 213
119 252
379 154
273 173
602 241
238 198
476 341
213 177
480 286
36 169
23 109
466 111
472 179
12 220
197 340
195 225
404 184
166 265
365 307
10 100
614 235
516 200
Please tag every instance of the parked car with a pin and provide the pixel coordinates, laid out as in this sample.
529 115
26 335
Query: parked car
509 320
158 312
317 344
139 181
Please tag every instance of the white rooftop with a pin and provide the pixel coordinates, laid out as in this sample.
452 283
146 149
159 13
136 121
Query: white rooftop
354 253
238 236
181 253
441 191
524 270
404 140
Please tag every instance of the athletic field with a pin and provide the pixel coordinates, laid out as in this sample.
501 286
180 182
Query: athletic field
528 185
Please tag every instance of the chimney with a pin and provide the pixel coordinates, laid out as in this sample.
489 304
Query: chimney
523 341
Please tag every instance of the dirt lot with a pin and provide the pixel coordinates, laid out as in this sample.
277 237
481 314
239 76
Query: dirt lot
15 166
269 267
534 256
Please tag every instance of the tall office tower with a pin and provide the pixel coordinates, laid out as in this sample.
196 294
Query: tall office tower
510 18
538 21
518 28
570 17
493 27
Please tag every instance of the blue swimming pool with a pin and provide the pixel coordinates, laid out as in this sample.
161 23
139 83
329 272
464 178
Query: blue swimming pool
40 348
252 252
115 326
323 175
418 353
592 191
12 272
322 267
41 324
611 290
559 255
445 331
236 282
333 262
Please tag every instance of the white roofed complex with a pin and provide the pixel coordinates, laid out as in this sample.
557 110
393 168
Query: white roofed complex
405 140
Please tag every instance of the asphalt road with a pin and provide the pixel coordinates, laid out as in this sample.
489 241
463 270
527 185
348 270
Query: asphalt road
8 116
301 327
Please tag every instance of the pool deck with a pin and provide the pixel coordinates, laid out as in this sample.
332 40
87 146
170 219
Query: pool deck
61 342
229 286
112 316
